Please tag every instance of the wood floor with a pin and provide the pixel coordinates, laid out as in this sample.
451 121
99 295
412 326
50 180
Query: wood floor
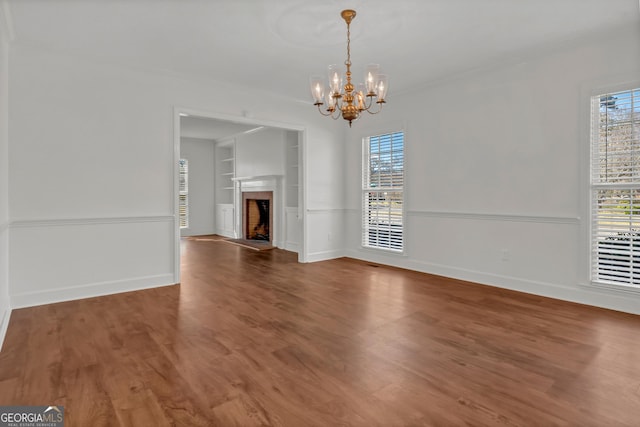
252 338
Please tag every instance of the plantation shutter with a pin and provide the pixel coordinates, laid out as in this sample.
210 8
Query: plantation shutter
615 188
183 194
383 194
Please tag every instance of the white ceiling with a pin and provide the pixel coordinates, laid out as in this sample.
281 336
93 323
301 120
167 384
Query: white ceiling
277 44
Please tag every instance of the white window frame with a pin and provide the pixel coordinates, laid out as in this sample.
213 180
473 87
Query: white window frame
183 193
393 243
614 248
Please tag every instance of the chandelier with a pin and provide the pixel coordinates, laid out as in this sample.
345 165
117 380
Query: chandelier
347 101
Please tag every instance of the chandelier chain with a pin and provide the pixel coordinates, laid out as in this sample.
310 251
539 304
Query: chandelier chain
348 61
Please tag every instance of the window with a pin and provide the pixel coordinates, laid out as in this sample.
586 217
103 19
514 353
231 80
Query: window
183 194
615 188
382 192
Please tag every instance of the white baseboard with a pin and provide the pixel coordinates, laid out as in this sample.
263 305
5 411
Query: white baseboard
579 294
225 233
4 325
326 255
196 232
90 290
291 246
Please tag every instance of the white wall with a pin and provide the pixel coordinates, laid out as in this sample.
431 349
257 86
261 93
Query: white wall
5 308
260 153
92 155
200 154
324 166
495 164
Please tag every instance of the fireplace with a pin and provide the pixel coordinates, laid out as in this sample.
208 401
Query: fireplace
257 215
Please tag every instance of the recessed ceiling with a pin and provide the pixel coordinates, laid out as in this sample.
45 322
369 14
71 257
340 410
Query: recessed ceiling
277 44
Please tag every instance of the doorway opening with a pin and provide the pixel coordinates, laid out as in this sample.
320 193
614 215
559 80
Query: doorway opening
230 148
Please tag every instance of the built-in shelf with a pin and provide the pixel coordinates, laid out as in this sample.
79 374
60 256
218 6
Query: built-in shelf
225 172
293 171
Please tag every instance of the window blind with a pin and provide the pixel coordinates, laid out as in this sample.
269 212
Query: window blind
383 192
183 193
615 188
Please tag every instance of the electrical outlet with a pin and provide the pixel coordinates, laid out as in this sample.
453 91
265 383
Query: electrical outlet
505 255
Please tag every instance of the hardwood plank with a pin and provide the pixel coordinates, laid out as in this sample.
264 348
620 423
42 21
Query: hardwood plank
255 338
86 401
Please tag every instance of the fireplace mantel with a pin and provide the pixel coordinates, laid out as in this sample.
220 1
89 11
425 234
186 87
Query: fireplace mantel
257 178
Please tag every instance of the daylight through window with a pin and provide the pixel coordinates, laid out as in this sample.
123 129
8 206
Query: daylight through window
183 194
615 188
382 192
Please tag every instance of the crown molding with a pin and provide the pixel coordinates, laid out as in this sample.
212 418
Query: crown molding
519 58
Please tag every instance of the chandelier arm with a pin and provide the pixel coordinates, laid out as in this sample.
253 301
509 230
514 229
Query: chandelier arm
369 103
379 109
337 109
320 110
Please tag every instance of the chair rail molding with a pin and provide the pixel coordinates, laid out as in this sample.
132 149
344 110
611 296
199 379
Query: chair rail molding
490 216
53 222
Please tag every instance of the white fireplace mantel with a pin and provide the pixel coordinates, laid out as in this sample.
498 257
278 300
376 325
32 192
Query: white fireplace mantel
257 178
